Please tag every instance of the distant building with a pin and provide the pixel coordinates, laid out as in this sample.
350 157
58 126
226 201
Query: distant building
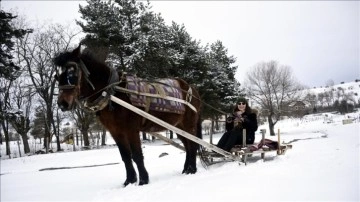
298 108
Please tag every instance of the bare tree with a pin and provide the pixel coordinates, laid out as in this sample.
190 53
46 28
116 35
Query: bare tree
21 104
321 98
97 126
9 71
35 52
4 109
311 98
273 87
340 93
83 120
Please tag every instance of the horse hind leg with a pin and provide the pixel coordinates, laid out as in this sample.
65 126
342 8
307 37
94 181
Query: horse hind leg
190 160
193 126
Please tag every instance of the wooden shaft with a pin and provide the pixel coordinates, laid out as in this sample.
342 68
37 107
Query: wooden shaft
244 138
279 152
263 144
165 139
173 128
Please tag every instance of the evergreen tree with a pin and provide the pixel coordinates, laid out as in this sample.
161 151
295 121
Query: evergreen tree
38 128
153 46
224 89
188 58
8 69
117 26
134 39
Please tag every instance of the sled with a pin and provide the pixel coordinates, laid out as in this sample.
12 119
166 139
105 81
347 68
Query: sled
244 151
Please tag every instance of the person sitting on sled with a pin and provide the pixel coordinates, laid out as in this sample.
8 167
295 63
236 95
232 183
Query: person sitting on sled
243 117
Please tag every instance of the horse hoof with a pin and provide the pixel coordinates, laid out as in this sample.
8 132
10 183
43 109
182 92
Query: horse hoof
189 170
143 182
127 182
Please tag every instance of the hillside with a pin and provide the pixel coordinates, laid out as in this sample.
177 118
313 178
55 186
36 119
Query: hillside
349 87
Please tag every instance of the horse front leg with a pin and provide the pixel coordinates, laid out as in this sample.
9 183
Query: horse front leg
125 153
138 158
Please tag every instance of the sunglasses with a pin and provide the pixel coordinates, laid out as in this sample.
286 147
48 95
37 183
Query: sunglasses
241 103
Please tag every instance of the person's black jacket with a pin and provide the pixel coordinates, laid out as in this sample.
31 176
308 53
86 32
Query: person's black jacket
249 123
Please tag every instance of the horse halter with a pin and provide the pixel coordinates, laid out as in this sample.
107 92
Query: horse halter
73 75
70 79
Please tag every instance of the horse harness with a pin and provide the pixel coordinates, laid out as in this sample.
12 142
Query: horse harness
140 92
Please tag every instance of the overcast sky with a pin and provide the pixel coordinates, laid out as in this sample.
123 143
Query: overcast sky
318 39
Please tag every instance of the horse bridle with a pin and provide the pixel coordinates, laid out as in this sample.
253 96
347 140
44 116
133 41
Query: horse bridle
72 85
81 70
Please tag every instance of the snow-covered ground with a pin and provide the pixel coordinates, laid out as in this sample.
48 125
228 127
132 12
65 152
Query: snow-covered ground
323 165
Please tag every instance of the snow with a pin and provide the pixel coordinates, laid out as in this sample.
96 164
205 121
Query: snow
323 165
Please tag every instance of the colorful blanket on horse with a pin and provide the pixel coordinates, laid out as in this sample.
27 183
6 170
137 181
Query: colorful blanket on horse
162 87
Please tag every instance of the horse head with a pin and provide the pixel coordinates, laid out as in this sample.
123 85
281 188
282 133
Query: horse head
77 86
68 77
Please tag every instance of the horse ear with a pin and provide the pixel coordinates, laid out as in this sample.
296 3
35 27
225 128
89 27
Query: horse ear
76 52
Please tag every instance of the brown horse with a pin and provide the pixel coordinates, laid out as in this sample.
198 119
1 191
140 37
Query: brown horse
82 80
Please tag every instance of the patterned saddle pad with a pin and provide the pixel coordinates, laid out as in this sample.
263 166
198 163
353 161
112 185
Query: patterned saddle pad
164 87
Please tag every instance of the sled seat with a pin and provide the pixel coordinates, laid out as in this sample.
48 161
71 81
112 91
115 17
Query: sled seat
263 147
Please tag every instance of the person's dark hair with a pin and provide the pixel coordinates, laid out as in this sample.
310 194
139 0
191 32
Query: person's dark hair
243 100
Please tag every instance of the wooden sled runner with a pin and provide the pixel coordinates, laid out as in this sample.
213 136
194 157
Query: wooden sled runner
244 151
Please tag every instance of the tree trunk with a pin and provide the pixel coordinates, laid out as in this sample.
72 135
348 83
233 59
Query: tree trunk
77 137
85 137
97 139
57 130
144 136
217 124
171 134
212 127
7 141
103 137
26 143
92 138
5 127
46 139
58 143
271 126
18 143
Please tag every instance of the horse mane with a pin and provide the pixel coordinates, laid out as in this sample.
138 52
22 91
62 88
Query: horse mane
62 58
86 55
